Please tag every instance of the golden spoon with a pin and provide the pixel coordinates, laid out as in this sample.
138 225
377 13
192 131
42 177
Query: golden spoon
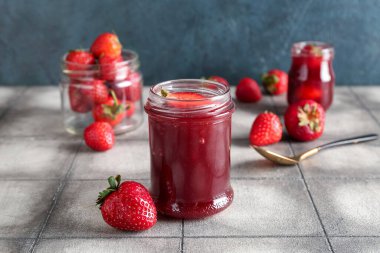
285 160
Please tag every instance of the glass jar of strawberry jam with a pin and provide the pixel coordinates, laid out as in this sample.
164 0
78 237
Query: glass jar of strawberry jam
108 92
190 139
311 75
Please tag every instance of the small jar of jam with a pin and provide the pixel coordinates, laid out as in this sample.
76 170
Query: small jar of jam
190 139
311 75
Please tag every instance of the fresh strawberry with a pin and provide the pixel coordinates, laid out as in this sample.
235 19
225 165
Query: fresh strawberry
275 81
78 101
311 49
113 68
130 89
266 129
127 206
99 136
112 111
184 99
248 90
313 55
133 92
78 60
219 80
106 44
305 120
95 91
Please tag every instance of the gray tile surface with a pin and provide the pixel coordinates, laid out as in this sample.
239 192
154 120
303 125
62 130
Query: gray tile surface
39 98
24 206
36 113
369 95
32 122
273 210
356 244
262 208
348 207
8 95
256 245
36 158
129 158
360 160
15 245
77 216
111 245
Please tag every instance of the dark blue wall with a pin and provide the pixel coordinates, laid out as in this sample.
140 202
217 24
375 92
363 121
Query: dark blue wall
190 39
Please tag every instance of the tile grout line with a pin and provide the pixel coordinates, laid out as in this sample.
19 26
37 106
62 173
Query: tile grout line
313 203
191 237
363 105
182 235
56 197
308 190
343 178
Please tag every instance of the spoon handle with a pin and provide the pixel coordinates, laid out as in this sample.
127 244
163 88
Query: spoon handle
352 140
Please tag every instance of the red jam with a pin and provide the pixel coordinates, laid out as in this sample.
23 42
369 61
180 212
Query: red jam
190 139
311 75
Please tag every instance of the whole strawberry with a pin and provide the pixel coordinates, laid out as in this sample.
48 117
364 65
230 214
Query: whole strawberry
77 60
112 111
248 90
130 89
95 91
275 81
305 120
219 79
106 44
127 206
99 136
78 101
266 129
113 68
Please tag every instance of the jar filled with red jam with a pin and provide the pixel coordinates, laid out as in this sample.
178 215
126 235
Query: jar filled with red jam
190 139
311 75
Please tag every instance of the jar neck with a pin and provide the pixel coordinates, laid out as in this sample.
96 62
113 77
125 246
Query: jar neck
129 62
214 100
312 49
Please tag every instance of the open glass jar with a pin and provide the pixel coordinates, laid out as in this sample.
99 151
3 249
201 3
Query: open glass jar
311 75
190 139
91 92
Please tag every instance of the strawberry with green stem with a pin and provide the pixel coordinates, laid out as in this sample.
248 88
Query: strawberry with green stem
127 205
275 81
112 111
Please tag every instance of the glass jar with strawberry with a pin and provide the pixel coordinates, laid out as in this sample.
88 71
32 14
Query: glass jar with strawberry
190 139
311 75
102 84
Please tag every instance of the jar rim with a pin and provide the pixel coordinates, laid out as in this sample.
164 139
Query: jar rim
129 57
217 97
325 49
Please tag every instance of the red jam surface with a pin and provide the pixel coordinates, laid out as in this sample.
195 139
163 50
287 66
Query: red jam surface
190 138
311 75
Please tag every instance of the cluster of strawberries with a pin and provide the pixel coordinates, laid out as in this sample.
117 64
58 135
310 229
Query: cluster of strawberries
104 83
304 120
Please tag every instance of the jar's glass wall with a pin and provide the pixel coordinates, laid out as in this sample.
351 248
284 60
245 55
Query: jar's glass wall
84 92
190 148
